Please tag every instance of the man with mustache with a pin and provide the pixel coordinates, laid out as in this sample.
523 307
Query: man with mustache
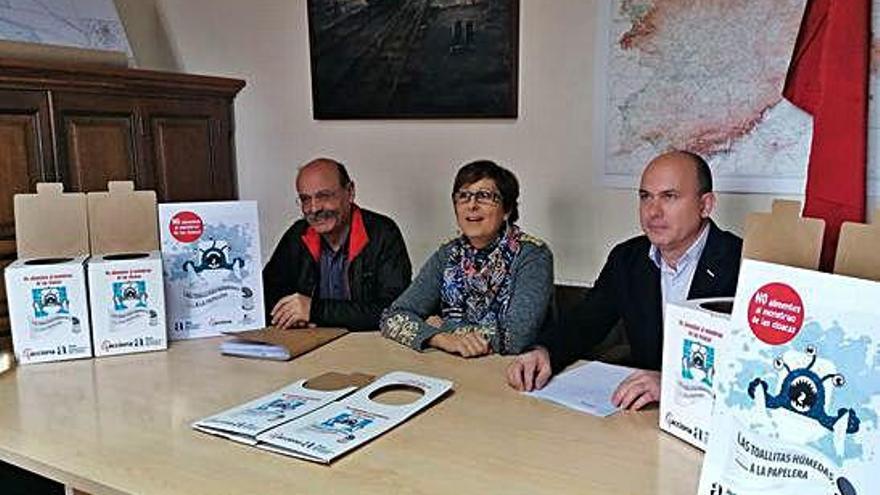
683 255
340 265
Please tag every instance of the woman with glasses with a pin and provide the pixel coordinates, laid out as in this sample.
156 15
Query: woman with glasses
488 289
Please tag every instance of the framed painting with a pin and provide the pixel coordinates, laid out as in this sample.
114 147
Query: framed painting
387 59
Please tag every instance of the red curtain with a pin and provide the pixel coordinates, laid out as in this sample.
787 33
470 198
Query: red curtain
828 78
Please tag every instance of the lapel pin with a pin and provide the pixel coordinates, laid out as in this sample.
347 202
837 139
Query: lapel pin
710 273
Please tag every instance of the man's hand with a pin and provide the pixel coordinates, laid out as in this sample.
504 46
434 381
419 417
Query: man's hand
467 345
637 390
530 371
292 311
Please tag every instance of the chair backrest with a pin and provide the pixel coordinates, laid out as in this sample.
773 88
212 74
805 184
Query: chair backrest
615 348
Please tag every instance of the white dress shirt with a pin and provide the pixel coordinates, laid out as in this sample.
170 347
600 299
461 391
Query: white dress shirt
675 283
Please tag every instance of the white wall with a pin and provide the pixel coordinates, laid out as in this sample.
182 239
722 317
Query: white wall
405 168
146 34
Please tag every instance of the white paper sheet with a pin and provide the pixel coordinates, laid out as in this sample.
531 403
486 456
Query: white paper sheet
587 388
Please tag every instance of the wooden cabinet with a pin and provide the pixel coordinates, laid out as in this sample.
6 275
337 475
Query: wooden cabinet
84 125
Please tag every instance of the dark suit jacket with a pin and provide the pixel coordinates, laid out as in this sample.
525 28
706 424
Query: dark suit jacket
628 288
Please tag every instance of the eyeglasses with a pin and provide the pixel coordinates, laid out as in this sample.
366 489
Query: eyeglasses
482 196
305 200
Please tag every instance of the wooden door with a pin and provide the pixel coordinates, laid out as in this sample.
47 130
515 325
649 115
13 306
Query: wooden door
25 158
98 138
189 146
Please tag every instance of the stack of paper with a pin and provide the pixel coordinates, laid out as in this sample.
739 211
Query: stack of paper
246 348
587 388
320 426
243 423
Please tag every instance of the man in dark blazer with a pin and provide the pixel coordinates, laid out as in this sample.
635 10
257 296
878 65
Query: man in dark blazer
683 255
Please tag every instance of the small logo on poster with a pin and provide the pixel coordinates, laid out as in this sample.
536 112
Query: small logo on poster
776 313
186 227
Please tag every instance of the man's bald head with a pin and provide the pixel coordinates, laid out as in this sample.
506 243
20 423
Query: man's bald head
703 174
324 165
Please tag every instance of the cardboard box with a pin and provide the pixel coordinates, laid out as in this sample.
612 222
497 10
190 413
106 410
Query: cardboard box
46 286
693 334
798 389
125 272
213 268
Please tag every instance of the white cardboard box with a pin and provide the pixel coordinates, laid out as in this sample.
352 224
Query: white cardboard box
48 310
126 289
213 268
46 286
693 334
128 304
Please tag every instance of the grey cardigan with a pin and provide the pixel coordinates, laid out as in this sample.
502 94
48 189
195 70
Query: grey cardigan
531 289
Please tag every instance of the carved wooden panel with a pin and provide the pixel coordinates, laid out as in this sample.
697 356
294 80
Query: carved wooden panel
25 141
97 140
25 158
191 155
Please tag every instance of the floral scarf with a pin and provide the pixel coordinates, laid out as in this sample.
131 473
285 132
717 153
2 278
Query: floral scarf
476 282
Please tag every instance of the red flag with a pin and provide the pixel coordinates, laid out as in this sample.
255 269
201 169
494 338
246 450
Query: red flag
828 78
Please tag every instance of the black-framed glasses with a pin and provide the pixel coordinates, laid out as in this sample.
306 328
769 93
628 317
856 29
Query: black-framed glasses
483 197
323 196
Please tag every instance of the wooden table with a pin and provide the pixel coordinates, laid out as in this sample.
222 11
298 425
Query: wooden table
122 425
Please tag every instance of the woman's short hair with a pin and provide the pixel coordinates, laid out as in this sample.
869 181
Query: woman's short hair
504 179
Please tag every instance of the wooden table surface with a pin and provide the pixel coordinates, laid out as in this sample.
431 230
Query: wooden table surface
122 425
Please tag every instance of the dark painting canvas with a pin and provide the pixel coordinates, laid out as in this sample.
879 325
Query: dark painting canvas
414 58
